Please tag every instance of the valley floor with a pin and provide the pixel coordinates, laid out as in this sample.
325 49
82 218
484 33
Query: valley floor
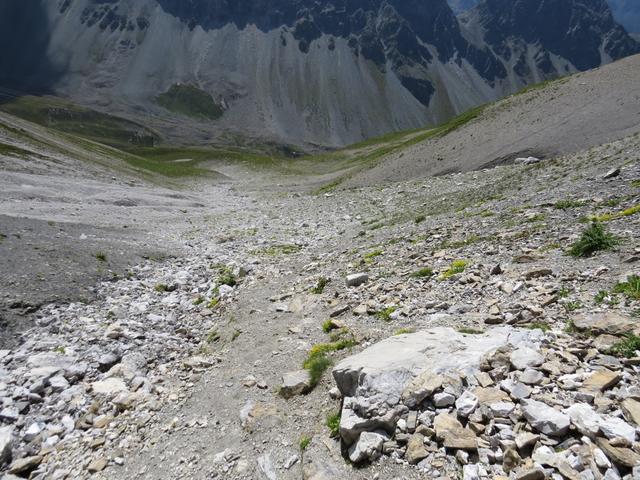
173 363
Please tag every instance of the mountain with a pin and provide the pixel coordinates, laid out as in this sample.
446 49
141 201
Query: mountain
625 12
327 72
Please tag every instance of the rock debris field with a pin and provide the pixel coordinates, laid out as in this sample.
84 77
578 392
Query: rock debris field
458 327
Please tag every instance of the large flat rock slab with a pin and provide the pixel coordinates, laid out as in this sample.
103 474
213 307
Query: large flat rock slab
385 369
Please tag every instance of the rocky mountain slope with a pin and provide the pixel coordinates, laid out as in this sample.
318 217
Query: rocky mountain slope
327 73
265 345
564 116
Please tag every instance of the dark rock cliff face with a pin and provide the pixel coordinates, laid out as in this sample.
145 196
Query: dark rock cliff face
571 29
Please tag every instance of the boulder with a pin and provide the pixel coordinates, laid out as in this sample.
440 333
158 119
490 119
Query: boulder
544 418
631 409
601 380
295 383
367 448
109 386
611 323
466 404
416 450
525 357
357 279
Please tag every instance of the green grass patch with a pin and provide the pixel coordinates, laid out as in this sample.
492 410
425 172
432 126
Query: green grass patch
191 101
304 443
465 242
226 277
572 306
456 267
627 347
67 117
385 314
317 361
608 217
101 256
333 423
544 326
425 272
593 239
635 183
630 288
567 204
13 151
161 287
320 285
369 257
275 250
403 331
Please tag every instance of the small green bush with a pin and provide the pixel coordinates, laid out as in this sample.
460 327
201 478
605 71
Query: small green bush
593 239
457 266
630 288
423 273
304 443
101 256
320 286
627 347
333 422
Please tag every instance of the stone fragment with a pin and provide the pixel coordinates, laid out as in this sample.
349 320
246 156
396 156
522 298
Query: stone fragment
466 404
525 357
452 434
109 386
502 409
510 460
531 377
25 464
441 400
357 279
631 409
544 418
530 474
295 383
526 439
613 173
601 380
621 456
612 323
6 442
585 419
537 273
614 427
416 450
97 465
367 448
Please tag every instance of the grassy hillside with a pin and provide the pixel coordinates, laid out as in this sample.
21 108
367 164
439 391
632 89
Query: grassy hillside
67 117
191 101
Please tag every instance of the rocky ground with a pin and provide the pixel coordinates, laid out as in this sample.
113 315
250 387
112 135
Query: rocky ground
449 332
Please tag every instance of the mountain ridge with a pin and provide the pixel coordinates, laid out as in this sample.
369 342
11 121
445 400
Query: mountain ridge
324 73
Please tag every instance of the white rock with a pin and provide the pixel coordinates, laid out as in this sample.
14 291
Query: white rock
611 474
357 279
614 427
441 400
471 472
600 458
367 448
502 409
531 377
466 404
109 386
585 419
544 418
525 357
33 431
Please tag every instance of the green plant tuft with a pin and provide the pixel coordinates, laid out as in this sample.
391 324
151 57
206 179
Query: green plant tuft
627 347
423 273
630 288
304 443
385 314
457 266
594 238
333 422
320 286
101 256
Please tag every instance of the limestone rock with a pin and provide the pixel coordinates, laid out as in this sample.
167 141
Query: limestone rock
109 386
631 409
525 357
544 418
416 450
357 279
621 456
367 448
601 380
611 323
295 383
